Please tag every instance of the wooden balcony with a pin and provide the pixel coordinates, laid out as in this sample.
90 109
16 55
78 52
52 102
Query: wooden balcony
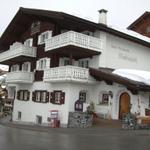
68 74
20 77
78 44
17 53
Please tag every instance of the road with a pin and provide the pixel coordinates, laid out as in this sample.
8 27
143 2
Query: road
73 139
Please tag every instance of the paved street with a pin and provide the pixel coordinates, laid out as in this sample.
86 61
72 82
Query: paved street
73 139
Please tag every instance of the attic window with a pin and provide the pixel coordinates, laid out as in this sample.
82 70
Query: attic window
35 27
148 29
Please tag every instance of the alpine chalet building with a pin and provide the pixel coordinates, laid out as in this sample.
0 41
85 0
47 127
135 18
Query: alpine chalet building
61 63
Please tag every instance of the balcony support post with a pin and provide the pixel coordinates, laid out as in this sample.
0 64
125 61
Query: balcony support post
70 59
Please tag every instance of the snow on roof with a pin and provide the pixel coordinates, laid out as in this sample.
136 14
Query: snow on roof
136 75
131 33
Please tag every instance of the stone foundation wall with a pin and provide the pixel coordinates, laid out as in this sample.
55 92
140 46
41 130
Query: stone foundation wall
79 120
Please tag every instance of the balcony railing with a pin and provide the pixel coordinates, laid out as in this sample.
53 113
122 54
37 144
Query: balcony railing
68 74
75 39
20 77
17 49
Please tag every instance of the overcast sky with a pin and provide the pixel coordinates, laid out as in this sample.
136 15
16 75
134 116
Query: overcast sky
121 13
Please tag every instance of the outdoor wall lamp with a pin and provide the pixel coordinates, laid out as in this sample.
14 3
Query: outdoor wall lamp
110 94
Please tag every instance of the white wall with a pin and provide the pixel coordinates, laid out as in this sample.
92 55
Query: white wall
31 109
121 53
112 109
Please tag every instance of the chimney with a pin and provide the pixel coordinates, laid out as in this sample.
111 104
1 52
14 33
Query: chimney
102 16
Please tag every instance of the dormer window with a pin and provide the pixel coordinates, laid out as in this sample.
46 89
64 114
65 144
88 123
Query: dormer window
28 42
44 36
148 29
35 27
34 24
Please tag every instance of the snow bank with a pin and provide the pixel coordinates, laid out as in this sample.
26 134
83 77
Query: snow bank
136 75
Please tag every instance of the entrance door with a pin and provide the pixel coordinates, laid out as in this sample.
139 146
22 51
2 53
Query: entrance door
124 104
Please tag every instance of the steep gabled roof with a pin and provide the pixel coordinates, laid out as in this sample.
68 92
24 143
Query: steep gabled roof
24 17
131 26
107 75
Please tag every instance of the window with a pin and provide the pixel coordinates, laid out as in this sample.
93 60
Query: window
66 62
57 97
82 96
84 63
23 95
19 115
148 29
43 64
40 96
44 36
29 42
34 24
35 27
14 68
78 105
104 98
26 66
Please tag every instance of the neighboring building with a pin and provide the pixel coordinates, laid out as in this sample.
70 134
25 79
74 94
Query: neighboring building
142 24
59 62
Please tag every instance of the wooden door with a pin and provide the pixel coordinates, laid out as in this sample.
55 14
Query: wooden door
124 104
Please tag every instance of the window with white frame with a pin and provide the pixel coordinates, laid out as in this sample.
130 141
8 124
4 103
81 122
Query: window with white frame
84 63
14 68
43 64
28 42
44 36
26 66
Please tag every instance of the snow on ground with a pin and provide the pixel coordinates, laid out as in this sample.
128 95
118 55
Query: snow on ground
136 75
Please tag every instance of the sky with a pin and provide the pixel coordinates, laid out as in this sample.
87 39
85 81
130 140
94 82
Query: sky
121 13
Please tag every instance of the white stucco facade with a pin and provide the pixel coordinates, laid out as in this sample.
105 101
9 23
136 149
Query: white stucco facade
60 61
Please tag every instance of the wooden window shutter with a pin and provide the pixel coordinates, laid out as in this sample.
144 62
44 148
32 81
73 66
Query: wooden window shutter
18 94
52 100
62 98
47 96
28 95
33 96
